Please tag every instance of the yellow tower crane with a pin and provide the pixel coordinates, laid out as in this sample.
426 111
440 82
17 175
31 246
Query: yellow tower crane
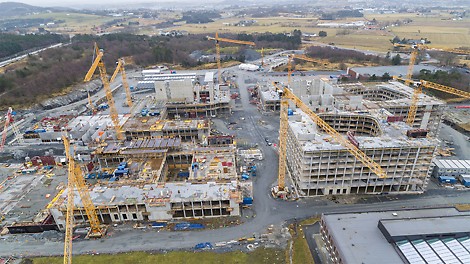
287 94
291 57
99 63
414 54
75 179
217 48
419 89
262 57
120 67
458 51
70 203
92 107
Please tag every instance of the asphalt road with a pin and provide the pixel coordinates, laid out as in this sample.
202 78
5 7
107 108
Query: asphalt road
459 141
268 210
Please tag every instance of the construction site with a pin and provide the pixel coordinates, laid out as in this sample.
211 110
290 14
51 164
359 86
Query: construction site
156 161
166 151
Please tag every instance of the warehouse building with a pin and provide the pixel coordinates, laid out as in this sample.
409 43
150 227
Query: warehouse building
439 235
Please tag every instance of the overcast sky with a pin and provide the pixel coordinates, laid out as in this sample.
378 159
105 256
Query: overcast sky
65 2
78 3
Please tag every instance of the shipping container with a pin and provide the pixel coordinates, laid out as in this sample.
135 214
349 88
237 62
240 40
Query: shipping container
183 174
247 200
188 226
447 179
391 119
417 133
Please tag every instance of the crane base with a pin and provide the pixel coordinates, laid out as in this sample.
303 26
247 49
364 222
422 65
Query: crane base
97 234
280 194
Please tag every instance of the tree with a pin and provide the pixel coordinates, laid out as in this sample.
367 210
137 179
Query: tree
373 78
322 33
396 60
396 39
386 76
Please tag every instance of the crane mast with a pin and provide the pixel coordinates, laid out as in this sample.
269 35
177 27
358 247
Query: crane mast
291 57
90 103
262 57
284 124
99 63
217 48
120 68
70 203
428 85
10 122
75 179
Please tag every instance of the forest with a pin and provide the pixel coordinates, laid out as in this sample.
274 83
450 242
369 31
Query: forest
453 78
54 70
11 44
334 55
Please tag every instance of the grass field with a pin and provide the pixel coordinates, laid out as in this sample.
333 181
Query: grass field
260 255
74 22
301 251
438 28
270 24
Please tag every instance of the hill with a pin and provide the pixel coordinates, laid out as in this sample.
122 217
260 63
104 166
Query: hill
10 9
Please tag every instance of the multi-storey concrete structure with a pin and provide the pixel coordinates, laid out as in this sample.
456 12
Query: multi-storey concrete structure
154 202
320 166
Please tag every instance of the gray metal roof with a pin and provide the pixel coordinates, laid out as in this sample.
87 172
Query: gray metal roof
426 226
452 164
392 70
359 240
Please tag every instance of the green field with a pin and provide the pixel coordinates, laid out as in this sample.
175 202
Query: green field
440 29
74 22
260 255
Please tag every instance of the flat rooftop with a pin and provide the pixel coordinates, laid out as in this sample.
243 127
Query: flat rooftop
207 166
359 240
399 70
270 96
404 228
95 120
154 123
171 192
314 139
452 164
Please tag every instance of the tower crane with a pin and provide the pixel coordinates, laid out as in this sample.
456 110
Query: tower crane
291 57
428 85
286 95
414 54
75 180
458 51
99 63
90 103
120 68
217 48
262 57
10 122
70 203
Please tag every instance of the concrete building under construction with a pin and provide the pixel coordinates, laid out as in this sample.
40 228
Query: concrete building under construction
154 202
320 166
192 96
